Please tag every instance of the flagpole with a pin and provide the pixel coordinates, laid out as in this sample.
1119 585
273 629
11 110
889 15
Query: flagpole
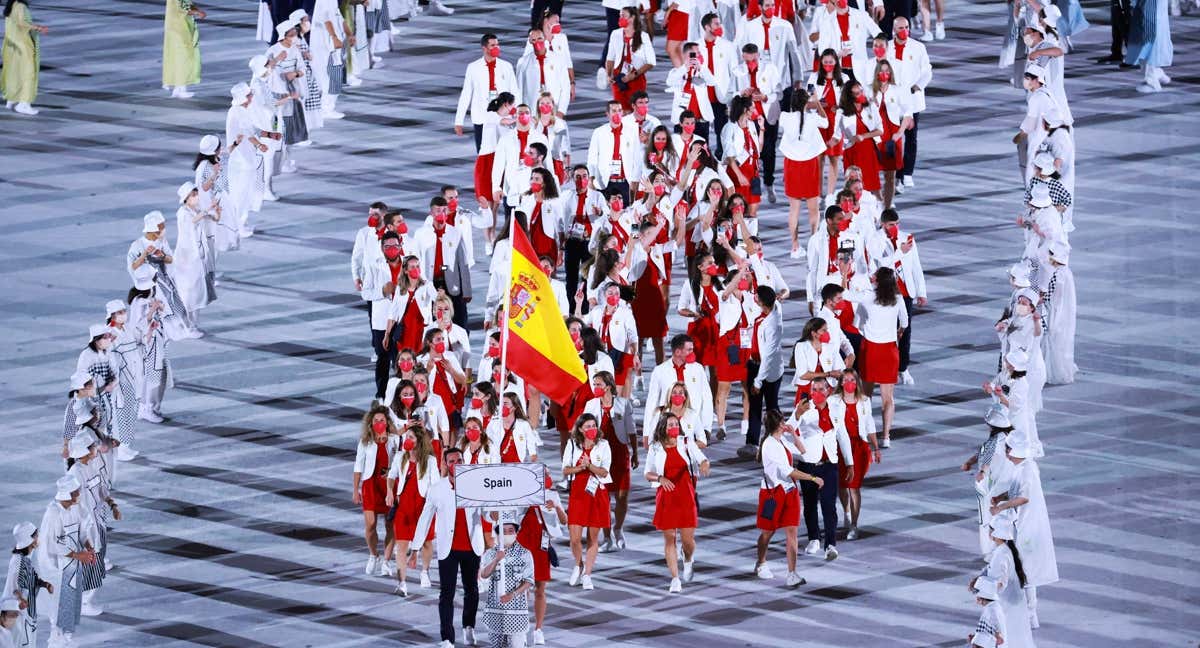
507 302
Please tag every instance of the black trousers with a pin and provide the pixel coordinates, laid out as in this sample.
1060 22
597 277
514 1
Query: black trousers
460 310
385 359
826 496
893 9
448 569
576 253
768 395
906 336
612 18
1118 12
479 141
720 118
770 140
539 7
910 147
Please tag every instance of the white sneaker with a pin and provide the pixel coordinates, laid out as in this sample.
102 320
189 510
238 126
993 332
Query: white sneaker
1146 88
396 31
939 31
245 232
181 92
764 572
446 644
469 636
194 334
688 570
372 567
908 181
436 8
146 414
676 586
886 442
59 639
852 534
376 59
587 582
906 378
389 568
125 453
1161 76
305 143
831 553
813 548
575 573
89 608
270 196
353 81
637 402
425 582
539 639
620 536
899 188
608 546
1033 620
927 37
109 565
332 114
401 588
771 197
288 167
794 580
25 109
745 427
8 105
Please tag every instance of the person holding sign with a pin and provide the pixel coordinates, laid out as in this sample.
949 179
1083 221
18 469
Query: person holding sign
586 462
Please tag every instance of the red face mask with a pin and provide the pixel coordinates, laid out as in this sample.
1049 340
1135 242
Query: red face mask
847 206
556 28
849 386
754 115
476 403
506 411
379 427
659 190
409 444
528 160
422 388
615 119
691 357
414 273
660 145
578 344
824 337
540 47
524 119
373 221
843 225
598 392
712 270
885 76
402 228
545 108
673 431
581 183
391 252
407 400
535 187
615 205
678 399
892 229
718 31
452 204
902 34
642 109
494 51
493 352
860 99
406 365
613 300
473 434
622 22
688 129
440 218
768 13
439 347
818 397
591 433
842 4
744 284
880 51
828 66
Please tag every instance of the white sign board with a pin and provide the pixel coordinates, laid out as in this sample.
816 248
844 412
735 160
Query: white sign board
500 485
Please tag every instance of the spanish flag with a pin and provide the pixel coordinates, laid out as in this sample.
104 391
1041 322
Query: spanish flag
538 348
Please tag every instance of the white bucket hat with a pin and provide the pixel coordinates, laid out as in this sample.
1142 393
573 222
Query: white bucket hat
209 144
282 28
185 190
151 221
66 485
80 379
1035 70
1018 359
1039 196
239 93
78 448
23 534
113 306
96 330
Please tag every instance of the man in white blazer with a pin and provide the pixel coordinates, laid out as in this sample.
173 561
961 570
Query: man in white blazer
459 545
485 78
681 367
898 249
444 259
910 60
541 70
614 155
689 84
720 57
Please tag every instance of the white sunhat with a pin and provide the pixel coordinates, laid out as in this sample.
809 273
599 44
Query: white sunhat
144 284
297 15
80 379
10 605
23 534
1060 251
78 447
997 417
1052 14
1039 196
209 144
96 330
185 190
1030 294
151 221
1035 70
1017 448
1018 359
239 93
1003 527
1044 161
65 485
1020 275
284 27
986 589
258 65
86 435
113 306
1053 117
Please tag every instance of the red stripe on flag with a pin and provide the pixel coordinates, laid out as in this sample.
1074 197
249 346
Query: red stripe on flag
537 370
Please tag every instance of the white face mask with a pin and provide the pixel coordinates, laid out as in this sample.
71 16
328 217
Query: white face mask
1028 40
119 318
1024 310
509 539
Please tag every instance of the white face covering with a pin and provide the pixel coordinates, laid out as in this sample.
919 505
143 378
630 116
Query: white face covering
1024 310
119 318
1028 40
509 539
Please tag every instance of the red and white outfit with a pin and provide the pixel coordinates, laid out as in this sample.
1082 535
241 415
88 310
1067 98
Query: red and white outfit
617 428
690 89
482 82
411 490
829 92
588 503
879 361
807 358
516 444
862 153
778 485
679 18
743 145
675 509
856 421
412 310
492 130
618 332
894 104
373 461
694 376
543 220
509 173
736 336
802 144
704 330
627 56
614 153
851 30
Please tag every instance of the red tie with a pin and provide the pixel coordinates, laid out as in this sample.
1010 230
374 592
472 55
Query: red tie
899 50
679 372
750 146
438 272
766 36
712 90
627 54
542 71
522 139
620 234
580 217
616 156
491 66
693 103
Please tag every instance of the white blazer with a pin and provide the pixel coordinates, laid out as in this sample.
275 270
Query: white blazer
897 99
866 423
776 467
690 428
622 330
907 264
601 456
861 29
656 458
600 155
476 92
553 72
801 144
364 457
643 55
440 506
424 296
849 123
481 456
732 310
695 378
551 217
399 473
525 438
734 145
913 70
814 439
806 357
721 63
783 55
766 79
508 174
701 80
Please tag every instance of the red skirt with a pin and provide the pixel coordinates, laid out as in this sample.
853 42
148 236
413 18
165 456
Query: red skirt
703 332
802 179
894 162
621 464
587 509
530 537
750 170
544 245
862 461
623 369
649 308
408 511
787 508
827 133
727 371
626 97
676 509
677 26
880 362
483 177
863 156
412 331
374 494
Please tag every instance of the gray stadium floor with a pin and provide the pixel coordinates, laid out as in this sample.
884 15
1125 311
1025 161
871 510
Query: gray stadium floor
240 529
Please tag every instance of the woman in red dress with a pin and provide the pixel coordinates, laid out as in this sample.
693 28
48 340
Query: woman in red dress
630 58
615 416
700 301
412 307
852 409
779 496
586 461
733 343
446 376
377 443
859 120
677 22
649 303
742 140
408 482
672 467
895 117
827 83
